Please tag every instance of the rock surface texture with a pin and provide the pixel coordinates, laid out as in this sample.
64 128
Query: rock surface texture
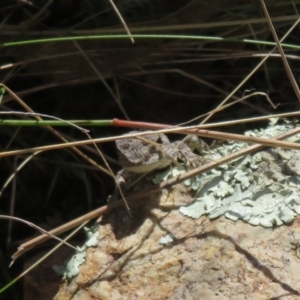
161 254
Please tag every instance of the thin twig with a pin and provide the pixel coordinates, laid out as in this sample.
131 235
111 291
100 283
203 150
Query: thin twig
254 70
284 60
121 19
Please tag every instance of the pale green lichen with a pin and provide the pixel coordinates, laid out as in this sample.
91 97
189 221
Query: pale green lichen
60 269
92 235
72 268
167 239
165 175
261 188
73 265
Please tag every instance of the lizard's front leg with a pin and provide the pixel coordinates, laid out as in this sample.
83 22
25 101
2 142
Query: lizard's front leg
186 148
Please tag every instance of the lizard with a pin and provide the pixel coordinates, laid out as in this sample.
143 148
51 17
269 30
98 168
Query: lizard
154 151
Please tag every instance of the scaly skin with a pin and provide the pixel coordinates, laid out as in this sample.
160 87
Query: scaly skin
154 151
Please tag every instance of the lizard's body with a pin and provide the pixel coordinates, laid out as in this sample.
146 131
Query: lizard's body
154 151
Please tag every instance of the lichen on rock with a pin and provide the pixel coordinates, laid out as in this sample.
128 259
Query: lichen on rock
261 188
